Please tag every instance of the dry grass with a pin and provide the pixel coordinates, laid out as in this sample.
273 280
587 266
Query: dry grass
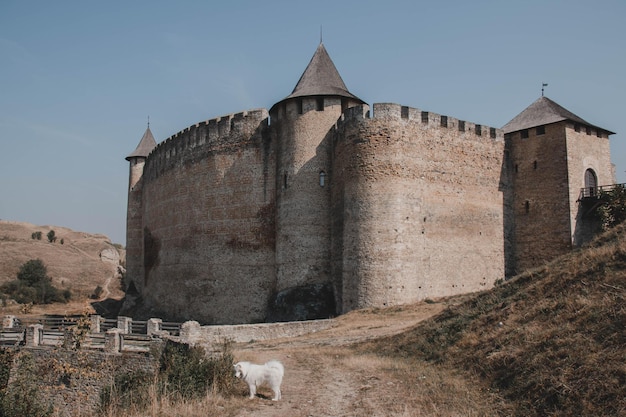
75 265
213 404
551 341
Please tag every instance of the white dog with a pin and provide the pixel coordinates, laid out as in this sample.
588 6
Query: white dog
255 375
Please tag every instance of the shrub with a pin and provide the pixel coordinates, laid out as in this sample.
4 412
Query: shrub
51 236
34 286
188 371
613 210
184 371
36 236
33 272
127 390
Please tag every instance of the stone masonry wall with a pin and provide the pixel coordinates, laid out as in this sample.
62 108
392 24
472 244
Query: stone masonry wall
134 223
209 222
72 381
541 196
586 149
211 337
417 205
302 223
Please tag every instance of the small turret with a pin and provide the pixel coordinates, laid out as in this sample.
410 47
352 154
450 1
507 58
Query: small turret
134 211
138 157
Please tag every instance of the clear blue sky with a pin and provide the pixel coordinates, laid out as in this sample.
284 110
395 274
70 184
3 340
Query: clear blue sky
78 79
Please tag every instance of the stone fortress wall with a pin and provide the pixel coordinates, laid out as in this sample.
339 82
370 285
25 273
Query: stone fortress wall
408 186
208 220
405 187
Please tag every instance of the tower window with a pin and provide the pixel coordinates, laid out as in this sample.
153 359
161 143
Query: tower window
527 206
322 178
285 180
541 130
319 102
577 127
524 134
535 165
299 102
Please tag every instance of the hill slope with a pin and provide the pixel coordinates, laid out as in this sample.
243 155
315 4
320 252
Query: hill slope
552 340
81 263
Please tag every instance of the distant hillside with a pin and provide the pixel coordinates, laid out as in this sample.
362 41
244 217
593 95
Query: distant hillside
81 263
552 340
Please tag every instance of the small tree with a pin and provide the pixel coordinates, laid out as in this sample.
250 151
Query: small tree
33 272
51 236
33 285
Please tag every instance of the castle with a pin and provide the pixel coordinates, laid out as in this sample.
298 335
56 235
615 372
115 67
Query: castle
322 205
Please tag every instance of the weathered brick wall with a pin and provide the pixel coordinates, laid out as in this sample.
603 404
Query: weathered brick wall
209 222
417 207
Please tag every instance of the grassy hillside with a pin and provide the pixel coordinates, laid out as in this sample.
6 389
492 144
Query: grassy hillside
81 263
551 341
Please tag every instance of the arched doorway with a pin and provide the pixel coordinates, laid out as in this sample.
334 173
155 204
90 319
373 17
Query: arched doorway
591 183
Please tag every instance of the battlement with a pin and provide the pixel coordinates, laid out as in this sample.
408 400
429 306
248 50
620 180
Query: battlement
213 134
392 111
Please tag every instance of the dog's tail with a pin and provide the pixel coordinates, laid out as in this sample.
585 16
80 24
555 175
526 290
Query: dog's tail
276 365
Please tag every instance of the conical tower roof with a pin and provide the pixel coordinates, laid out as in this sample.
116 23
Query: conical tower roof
321 78
146 144
542 112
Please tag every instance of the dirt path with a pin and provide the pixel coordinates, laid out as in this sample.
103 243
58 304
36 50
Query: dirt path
106 292
323 376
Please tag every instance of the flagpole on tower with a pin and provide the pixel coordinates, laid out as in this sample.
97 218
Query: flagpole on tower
542 87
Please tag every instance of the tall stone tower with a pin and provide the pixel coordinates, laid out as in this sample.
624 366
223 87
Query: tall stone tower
554 154
134 211
300 124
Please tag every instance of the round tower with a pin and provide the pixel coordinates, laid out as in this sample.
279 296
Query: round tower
301 123
134 213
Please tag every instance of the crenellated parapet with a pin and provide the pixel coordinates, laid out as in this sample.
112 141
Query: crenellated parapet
429 120
214 135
